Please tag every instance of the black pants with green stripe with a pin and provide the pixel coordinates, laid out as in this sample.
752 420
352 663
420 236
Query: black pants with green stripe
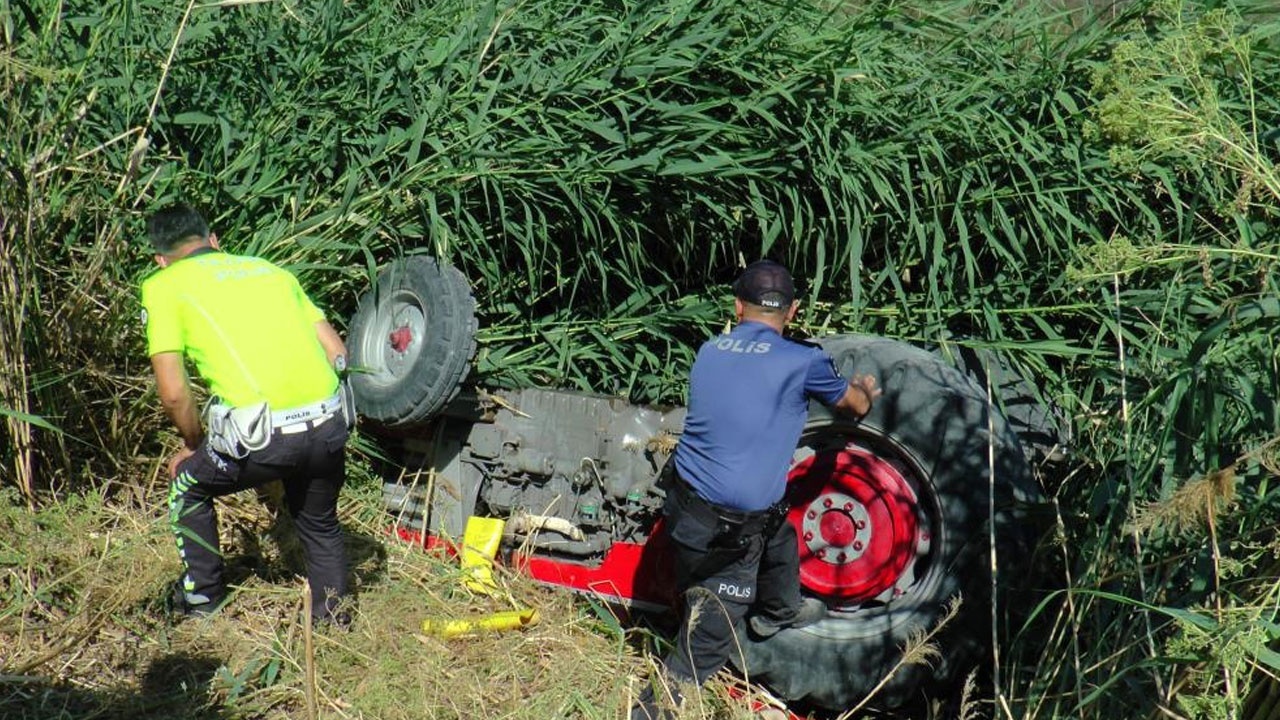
311 466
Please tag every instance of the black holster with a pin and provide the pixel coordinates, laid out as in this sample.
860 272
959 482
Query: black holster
729 529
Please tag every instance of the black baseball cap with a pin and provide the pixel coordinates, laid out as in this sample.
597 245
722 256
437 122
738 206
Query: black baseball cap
765 283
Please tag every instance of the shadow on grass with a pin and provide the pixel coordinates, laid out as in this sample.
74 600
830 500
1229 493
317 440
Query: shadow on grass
366 558
173 686
366 555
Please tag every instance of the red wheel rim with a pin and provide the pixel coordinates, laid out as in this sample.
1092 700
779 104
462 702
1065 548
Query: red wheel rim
400 338
857 525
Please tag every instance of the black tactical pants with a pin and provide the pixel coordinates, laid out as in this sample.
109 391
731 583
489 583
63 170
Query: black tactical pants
311 465
725 564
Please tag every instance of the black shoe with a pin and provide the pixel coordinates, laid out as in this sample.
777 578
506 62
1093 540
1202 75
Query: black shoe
648 708
340 621
181 608
811 610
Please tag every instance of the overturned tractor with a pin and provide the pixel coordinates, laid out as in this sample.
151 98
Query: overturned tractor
900 515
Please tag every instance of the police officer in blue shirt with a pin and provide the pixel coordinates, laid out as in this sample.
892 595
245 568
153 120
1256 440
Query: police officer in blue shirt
735 555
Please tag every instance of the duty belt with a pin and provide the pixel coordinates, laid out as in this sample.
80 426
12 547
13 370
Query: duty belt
238 431
742 522
296 419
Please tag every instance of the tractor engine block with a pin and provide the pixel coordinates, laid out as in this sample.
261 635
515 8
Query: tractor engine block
572 472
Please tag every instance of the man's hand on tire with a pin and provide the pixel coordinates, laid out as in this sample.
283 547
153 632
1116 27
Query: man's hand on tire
860 395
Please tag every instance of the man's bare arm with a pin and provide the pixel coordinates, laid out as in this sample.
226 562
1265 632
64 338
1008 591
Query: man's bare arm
176 397
330 341
859 396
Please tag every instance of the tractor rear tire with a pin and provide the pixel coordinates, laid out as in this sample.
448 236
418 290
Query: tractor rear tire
968 474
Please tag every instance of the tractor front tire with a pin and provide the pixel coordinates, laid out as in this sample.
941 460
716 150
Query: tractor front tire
411 341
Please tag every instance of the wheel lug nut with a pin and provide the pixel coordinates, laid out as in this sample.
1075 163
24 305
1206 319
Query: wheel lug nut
811 514
821 553
840 557
857 545
827 502
860 524
808 536
848 506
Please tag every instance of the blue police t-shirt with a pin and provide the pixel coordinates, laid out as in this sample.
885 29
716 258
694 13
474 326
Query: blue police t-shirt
748 399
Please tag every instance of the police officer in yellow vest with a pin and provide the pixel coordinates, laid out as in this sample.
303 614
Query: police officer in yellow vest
271 362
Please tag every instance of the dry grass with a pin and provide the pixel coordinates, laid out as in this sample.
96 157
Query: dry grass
1193 506
919 649
85 635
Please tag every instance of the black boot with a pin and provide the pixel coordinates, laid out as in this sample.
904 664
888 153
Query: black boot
181 605
811 610
647 706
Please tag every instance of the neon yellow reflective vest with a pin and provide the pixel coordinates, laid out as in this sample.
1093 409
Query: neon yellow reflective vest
245 323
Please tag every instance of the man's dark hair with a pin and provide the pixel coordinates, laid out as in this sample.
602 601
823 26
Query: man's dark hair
175 226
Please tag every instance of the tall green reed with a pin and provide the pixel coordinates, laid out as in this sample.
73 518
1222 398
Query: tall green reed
1050 184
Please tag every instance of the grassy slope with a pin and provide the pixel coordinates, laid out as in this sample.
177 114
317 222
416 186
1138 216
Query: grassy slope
85 633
